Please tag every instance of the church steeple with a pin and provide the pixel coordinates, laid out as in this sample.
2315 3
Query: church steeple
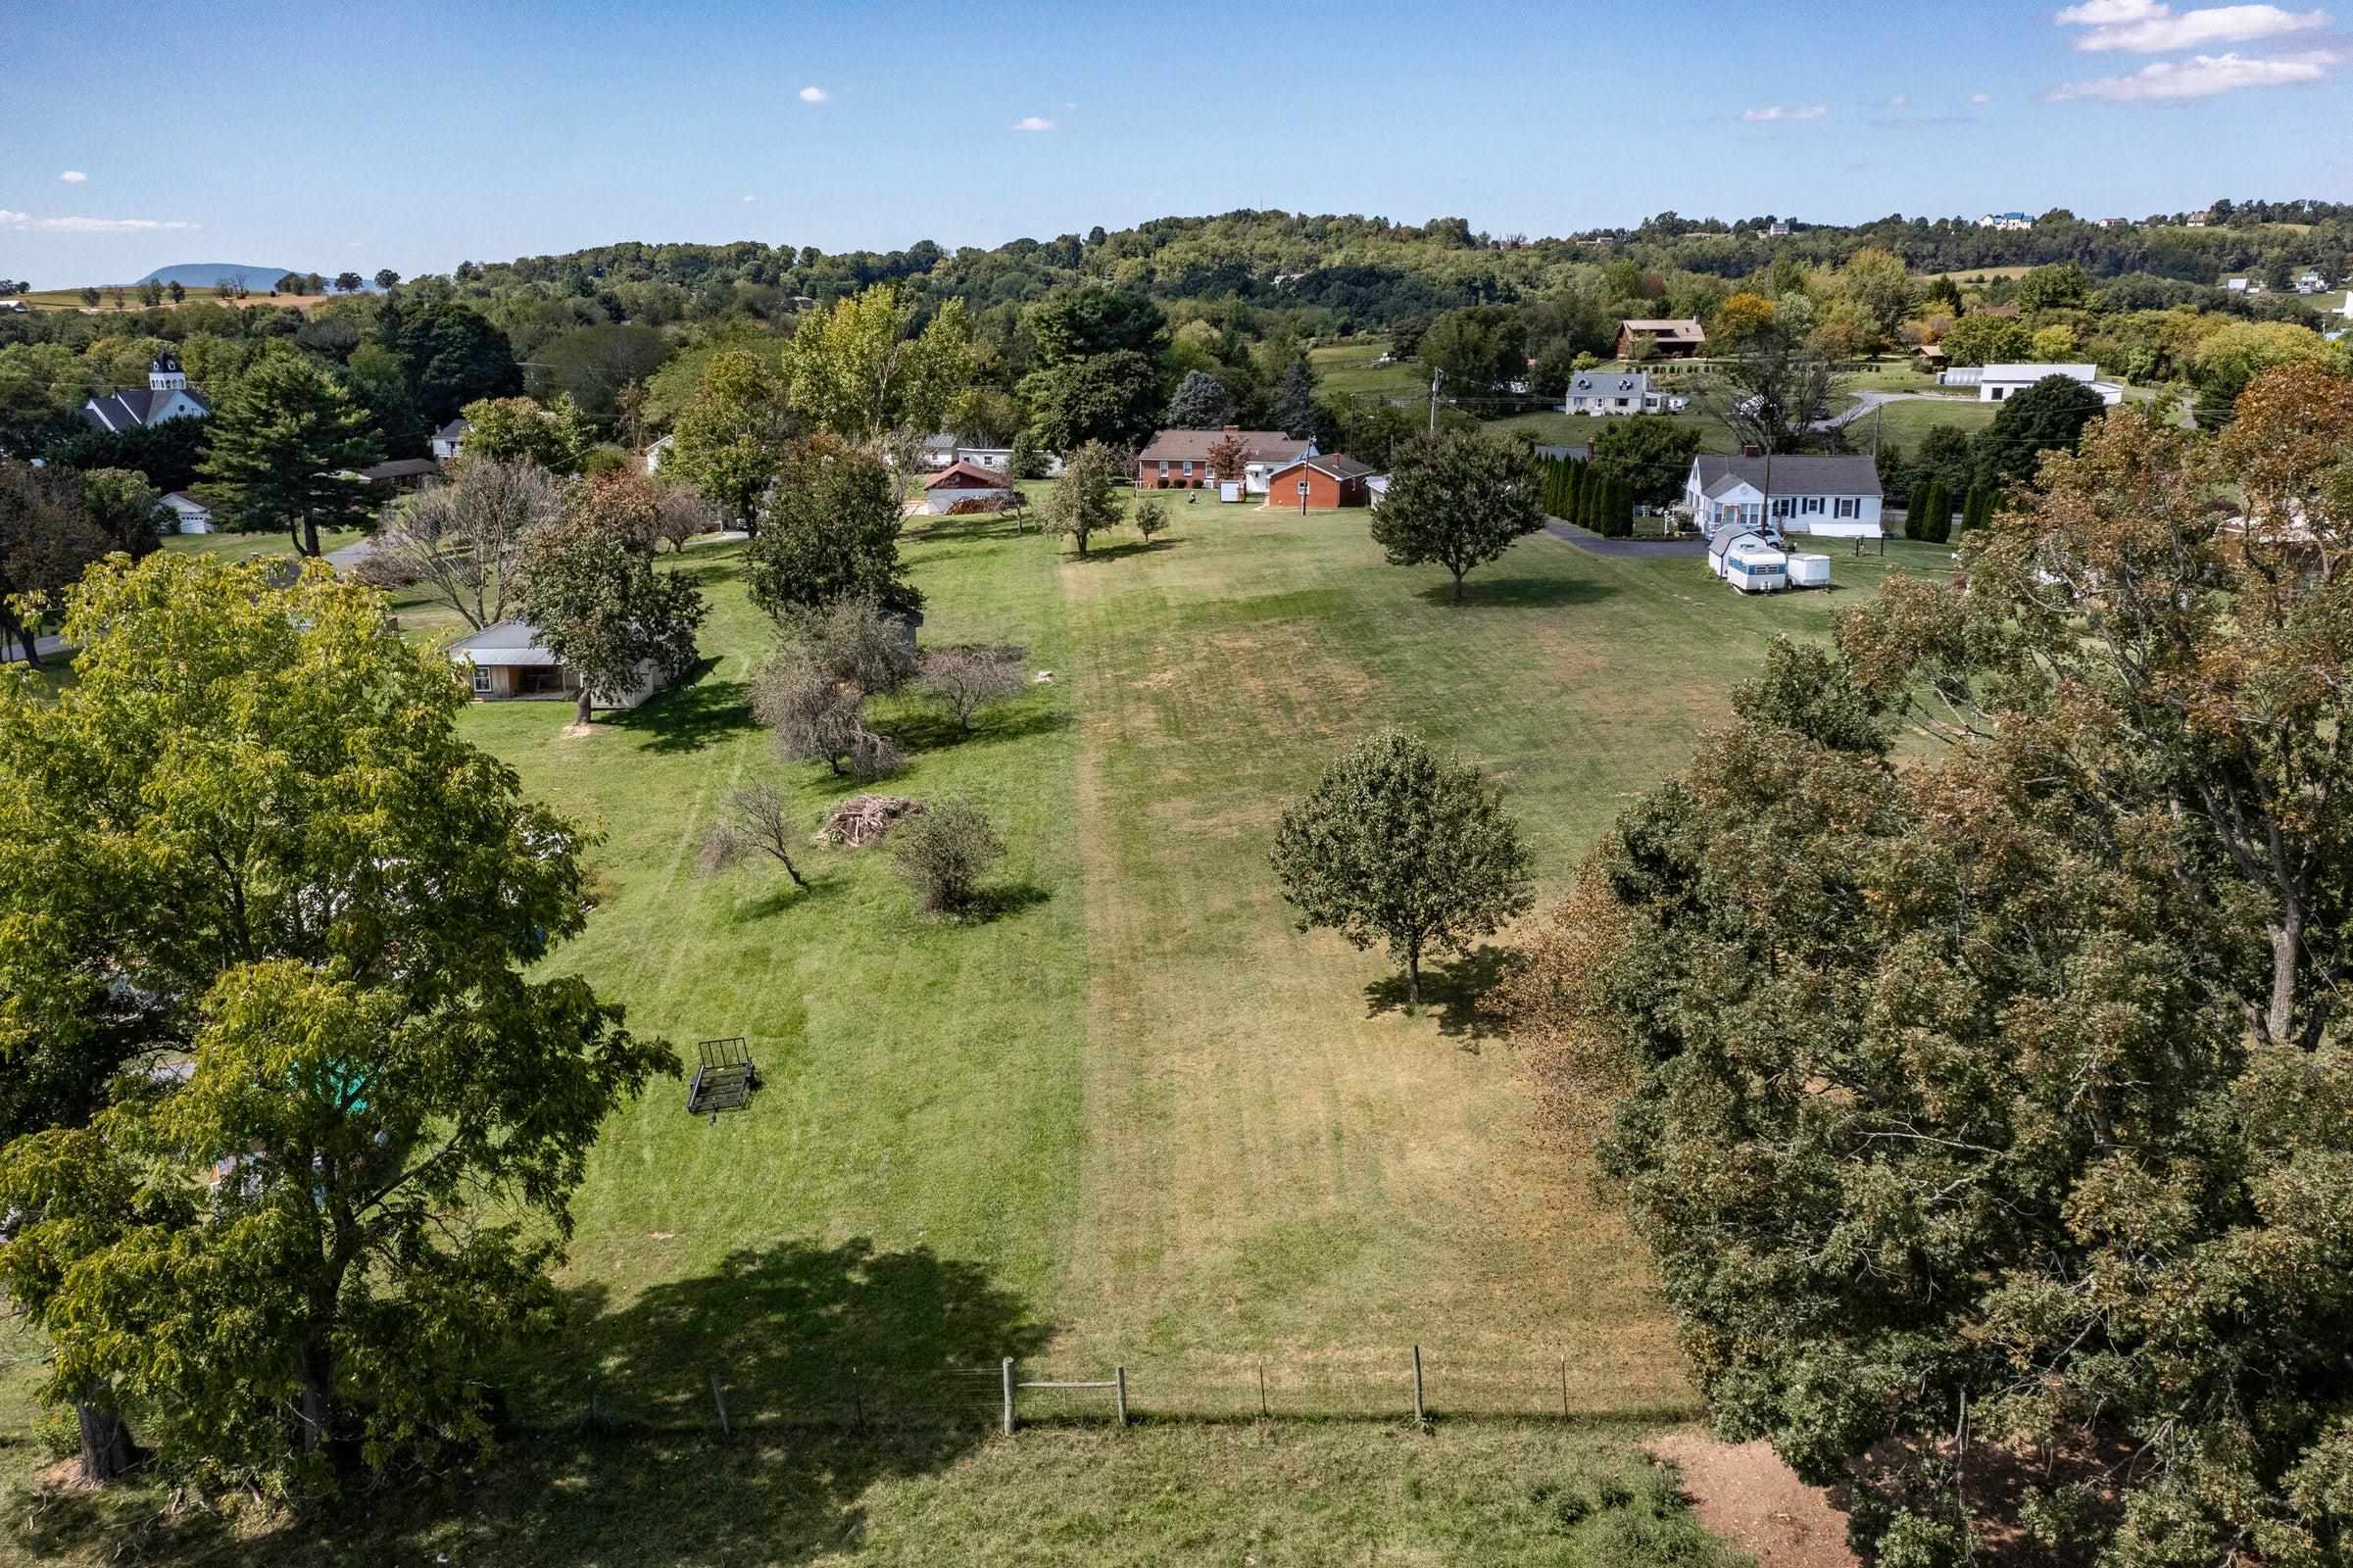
166 376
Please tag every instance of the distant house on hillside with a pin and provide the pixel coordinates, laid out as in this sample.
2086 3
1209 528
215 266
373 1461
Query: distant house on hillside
1669 338
507 661
2116 222
167 397
1610 392
2200 218
2310 281
1179 460
1999 383
2005 220
1779 228
450 439
404 473
1798 494
938 451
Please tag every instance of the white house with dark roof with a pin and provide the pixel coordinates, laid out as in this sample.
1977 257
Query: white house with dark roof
450 439
189 514
1798 493
1610 392
167 397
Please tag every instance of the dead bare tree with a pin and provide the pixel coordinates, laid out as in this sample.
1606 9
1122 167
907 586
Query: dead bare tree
758 822
459 540
965 681
816 718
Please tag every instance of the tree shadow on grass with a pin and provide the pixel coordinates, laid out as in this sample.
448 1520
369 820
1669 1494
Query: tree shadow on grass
1099 552
1517 593
698 712
1005 899
840 1366
783 895
918 729
1454 990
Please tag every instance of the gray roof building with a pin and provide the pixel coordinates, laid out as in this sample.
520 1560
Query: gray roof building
1794 474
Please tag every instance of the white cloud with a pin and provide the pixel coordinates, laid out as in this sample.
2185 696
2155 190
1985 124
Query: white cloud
2107 13
1774 112
2205 77
1980 99
1033 122
27 224
751 198
1899 101
2157 30
814 94
74 176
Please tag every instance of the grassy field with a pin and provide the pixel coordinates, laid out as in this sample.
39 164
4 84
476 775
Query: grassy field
1348 367
70 299
1134 1118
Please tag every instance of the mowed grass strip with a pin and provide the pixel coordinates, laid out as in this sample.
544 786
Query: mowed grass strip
923 1098
1279 1163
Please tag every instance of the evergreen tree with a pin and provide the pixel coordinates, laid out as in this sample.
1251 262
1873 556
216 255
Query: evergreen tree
280 443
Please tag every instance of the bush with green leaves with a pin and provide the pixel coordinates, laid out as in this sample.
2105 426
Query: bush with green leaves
943 853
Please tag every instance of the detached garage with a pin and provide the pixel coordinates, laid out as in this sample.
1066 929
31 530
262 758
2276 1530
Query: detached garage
964 481
1325 483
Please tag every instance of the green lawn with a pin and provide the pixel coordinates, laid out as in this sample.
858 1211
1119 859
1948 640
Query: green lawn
1135 1118
1904 423
226 546
1347 366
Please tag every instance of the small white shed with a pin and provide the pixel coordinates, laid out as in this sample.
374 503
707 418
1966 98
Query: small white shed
189 515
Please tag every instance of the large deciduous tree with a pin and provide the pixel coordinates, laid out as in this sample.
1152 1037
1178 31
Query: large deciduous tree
1113 398
1459 501
1085 500
590 586
830 531
554 436
2008 1093
730 438
861 370
1649 452
248 838
280 444
1397 846
460 541
1774 389
47 539
450 356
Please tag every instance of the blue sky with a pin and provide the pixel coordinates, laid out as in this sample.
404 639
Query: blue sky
416 136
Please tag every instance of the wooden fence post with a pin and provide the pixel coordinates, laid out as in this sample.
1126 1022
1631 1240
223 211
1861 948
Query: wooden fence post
1119 1376
1418 1417
722 1405
1008 1395
1564 1387
1262 1388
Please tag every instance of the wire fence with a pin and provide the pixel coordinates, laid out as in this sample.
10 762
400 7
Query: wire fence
1400 1382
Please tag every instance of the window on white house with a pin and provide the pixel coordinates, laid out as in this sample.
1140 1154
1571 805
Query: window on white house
1780 507
1813 505
1849 507
481 681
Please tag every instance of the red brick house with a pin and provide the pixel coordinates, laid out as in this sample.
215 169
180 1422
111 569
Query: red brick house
1329 483
1179 460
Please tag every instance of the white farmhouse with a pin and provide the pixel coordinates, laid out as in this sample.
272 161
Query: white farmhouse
1607 392
450 439
1999 383
167 397
1801 493
2007 222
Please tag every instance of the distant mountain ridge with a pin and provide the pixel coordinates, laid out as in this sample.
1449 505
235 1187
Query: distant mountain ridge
204 274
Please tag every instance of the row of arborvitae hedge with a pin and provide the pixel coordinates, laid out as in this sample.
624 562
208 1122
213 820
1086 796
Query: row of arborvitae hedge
1927 510
1577 492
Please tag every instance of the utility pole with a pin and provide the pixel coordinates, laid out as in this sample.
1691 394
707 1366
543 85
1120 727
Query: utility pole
1436 376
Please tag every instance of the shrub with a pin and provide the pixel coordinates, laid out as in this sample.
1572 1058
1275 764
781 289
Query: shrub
943 854
816 718
965 681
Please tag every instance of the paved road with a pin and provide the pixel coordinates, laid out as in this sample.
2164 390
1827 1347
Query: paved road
1592 544
11 652
349 556
1865 402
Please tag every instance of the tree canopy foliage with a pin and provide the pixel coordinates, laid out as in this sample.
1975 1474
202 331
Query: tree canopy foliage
2009 1089
1456 499
248 837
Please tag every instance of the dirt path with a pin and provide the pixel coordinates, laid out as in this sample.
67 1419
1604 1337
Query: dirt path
1744 1494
